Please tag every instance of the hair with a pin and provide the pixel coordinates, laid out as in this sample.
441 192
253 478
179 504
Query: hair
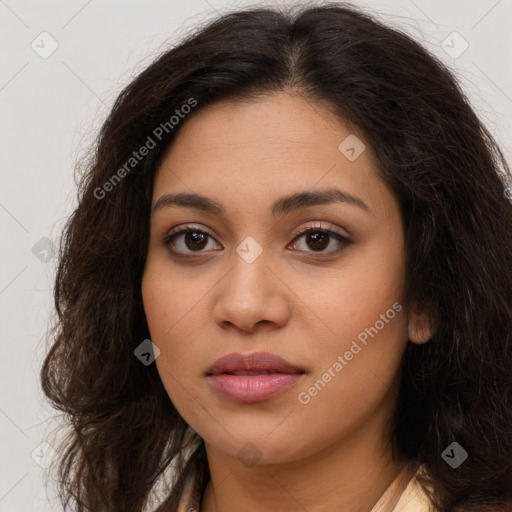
444 167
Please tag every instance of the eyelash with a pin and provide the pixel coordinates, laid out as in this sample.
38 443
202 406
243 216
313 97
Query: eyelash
170 237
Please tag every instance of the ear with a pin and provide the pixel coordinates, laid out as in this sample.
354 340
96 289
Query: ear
419 325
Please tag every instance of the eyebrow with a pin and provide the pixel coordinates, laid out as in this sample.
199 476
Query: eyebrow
280 207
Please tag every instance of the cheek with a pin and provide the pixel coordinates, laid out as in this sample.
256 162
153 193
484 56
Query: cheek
376 281
366 326
356 368
353 297
172 306
169 297
163 306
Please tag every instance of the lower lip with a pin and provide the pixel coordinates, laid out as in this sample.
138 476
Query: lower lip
253 388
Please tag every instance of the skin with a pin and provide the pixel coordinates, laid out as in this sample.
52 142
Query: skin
332 453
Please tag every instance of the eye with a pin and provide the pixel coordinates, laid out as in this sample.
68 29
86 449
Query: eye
318 239
187 237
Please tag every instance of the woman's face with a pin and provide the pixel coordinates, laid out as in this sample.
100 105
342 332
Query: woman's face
252 284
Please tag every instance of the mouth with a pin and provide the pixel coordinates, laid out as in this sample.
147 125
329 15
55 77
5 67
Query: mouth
252 363
240 373
253 377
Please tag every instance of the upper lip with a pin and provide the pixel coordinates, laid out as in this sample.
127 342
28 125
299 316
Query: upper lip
255 361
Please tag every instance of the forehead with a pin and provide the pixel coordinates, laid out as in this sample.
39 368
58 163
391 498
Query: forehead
267 148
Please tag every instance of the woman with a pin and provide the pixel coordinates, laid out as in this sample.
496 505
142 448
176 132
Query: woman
287 280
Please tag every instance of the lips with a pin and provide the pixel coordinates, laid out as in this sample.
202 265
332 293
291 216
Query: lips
254 363
252 377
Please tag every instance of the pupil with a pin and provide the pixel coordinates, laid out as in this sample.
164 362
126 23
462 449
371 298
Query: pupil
195 238
318 238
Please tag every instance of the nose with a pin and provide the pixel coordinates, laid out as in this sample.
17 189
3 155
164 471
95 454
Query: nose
252 295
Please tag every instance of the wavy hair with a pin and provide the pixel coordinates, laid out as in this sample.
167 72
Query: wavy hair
437 157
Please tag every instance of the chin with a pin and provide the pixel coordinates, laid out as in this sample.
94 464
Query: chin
261 448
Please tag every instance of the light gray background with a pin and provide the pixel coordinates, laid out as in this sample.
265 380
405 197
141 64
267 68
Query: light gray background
51 110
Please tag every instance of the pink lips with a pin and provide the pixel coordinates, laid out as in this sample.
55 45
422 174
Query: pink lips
252 377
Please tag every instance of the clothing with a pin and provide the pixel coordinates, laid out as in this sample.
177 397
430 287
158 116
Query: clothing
404 494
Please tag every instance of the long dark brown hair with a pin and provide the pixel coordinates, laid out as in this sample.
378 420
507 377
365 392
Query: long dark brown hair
444 167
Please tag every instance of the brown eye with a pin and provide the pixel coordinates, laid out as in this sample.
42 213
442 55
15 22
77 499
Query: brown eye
195 240
187 240
317 240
